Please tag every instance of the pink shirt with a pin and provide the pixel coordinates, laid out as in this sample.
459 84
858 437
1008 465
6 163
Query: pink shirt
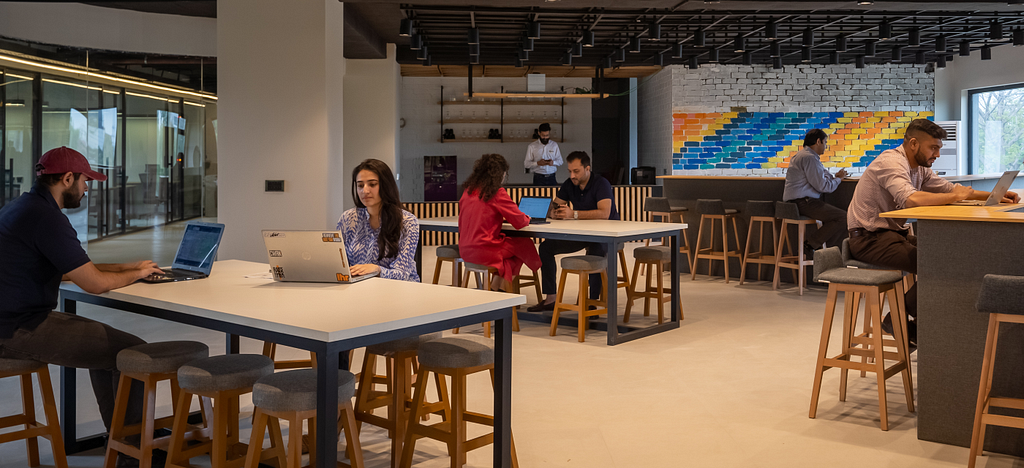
885 186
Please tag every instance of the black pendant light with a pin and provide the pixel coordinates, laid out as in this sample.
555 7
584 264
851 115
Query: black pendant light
777 63
995 30
776 49
473 37
416 42
577 49
679 51
884 30
654 32
919 58
713 55
693 63
427 62
634 45
528 44
965 48
940 44
739 44
405 29
699 38
914 37
659 59
833 58
897 54
524 54
860 61
533 30
808 37
519 63
771 30
607 62
986 52
841 43
869 48
474 49
1018 37
422 55
620 55
588 39
805 55
748 58
567 59
474 59
940 61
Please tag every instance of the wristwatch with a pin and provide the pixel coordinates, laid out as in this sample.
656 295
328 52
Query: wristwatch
575 215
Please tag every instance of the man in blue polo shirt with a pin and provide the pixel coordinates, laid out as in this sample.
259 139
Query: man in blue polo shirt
584 196
38 249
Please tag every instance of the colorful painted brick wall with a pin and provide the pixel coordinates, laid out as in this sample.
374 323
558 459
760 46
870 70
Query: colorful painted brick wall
762 143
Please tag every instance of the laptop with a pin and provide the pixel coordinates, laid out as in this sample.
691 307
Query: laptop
536 208
997 193
196 253
309 256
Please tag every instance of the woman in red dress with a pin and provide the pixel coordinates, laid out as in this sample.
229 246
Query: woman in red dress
482 209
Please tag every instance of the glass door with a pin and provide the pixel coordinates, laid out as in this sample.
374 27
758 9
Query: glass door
16 137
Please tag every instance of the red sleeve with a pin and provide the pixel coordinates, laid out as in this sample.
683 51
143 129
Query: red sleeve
509 210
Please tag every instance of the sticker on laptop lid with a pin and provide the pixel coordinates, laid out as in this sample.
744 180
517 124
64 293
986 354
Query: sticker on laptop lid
273 234
344 264
276 253
331 237
342 277
278 272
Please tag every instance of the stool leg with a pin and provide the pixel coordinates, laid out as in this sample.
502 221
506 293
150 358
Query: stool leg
511 439
783 240
826 330
355 450
632 286
558 302
174 455
725 248
746 252
661 293
294 451
686 243
984 387
60 459
117 420
648 286
875 308
849 321
457 447
399 394
904 353
696 252
148 415
28 405
581 323
259 427
437 270
800 259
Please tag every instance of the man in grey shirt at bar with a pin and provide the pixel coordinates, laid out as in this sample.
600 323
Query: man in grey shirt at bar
806 180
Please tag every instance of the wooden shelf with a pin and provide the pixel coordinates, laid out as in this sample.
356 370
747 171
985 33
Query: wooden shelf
548 96
470 103
489 140
507 121
535 121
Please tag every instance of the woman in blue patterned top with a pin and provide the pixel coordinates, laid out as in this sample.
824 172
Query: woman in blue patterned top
379 234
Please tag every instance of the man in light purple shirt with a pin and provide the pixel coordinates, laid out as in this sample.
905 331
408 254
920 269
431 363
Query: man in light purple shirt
902 178
806 181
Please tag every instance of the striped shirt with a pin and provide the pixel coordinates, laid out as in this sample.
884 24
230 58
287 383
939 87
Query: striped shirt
885 186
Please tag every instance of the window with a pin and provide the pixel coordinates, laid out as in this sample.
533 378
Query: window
996 133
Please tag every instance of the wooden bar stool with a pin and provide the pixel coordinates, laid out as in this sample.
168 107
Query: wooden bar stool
291 395
794 260
484 275
400 356
828 267
712 210
760 212
660 206
1000 297
448 253
456 357
270 351
655 258
221 380
584 266
34 429
150 364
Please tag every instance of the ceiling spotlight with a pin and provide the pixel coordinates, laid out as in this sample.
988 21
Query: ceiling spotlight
654 32
919 58
860 61
805 55
713 55
528 44
776 49
659 59
588 39
699 38
577 49
897 54
693 63
607 62
473 37
422 55
679 51
519 63
533 30
940 61
986 52
965 48
634 45
620 55
771 30
869 48
914 38
841 43
833 58
474 49
748 58
884 30
1018 37
940 44
808 37
427 62
567 59
865 3
739 44
524 54
777 63
405 29
995 30
416 42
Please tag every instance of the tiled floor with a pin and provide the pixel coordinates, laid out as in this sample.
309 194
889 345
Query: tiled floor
730 388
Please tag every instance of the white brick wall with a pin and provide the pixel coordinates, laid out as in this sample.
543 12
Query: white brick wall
654 121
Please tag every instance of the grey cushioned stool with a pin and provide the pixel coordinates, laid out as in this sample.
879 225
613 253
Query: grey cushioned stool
1002 298
484 274
711 211
456 357
219 380
291 395
828 267
400 360
761 213
655 258
662 207
448 253
33 429
583 266
792 259
150 364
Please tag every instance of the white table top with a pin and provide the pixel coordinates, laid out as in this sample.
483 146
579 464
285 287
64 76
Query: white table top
589 227
320 311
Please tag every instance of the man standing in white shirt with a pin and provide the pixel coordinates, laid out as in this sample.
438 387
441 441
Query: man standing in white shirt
543 157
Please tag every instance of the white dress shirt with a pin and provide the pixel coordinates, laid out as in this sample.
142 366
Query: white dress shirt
537 151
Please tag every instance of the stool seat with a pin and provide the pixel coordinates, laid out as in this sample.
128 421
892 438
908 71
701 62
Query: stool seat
449 251
457 352
161 357
479 267
584 262
863 277
660 252
1001 294
402 344
713 207
18 366
854 263
220 373
295 390
761 208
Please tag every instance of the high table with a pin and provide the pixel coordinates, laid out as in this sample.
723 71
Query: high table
957 246
322 317
611 233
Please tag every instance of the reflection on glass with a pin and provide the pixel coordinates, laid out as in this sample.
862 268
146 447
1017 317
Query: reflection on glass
998 131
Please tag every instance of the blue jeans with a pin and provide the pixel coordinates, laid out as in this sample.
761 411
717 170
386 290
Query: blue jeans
544 179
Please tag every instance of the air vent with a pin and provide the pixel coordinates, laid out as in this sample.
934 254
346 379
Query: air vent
950 128
274 186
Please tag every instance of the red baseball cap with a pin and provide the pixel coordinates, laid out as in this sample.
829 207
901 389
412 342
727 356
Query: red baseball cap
63 160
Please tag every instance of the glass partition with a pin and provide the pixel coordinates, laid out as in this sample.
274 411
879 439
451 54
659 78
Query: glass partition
997 129
18 107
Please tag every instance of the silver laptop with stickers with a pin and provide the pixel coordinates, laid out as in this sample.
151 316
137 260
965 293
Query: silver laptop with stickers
997 193
309 256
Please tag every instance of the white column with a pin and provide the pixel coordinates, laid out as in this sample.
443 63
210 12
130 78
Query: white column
371 111
280 117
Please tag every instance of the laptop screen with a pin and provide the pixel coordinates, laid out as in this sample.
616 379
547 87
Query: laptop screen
535 207
198 248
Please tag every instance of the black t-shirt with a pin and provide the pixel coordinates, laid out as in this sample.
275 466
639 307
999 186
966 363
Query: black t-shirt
597 189
38 245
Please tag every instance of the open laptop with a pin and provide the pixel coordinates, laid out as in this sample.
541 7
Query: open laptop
196 253
309 256
997 193
536 208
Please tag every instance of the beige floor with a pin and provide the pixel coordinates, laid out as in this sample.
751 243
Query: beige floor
730 388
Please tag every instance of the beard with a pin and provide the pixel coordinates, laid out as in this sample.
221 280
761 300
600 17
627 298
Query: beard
923 160
72 199
544 141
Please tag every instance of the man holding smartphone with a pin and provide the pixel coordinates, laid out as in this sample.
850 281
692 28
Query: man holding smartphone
543 157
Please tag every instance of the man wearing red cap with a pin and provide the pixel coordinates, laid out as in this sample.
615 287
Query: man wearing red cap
38 249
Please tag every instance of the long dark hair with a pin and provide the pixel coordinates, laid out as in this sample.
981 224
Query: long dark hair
390 209
488 174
